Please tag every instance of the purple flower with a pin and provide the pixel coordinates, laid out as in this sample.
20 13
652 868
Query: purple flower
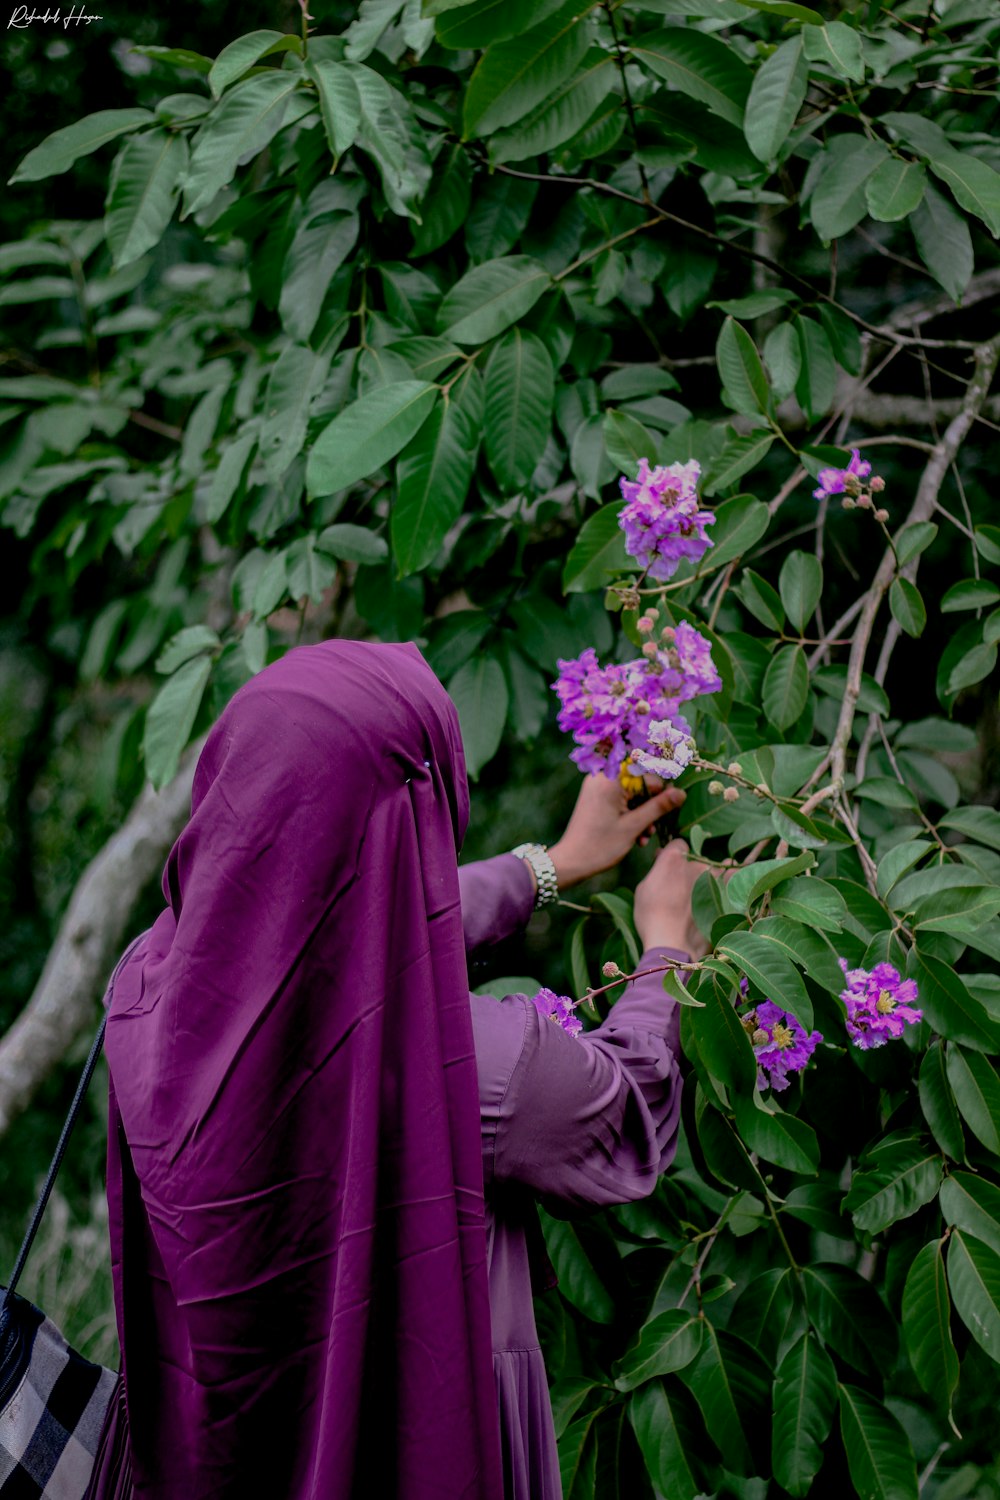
784 1048
558 1008
672 750
662 519
611 711
879 1004
837 481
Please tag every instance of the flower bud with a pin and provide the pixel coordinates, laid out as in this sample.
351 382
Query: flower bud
642 707
667 633
882 515
731 794
649 648
610 970
864 502
759 1037
630 597
849 504
761 789
734 768
715 789
644 624
652 612
876 484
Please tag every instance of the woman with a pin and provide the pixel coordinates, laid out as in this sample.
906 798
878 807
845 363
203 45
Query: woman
295 1179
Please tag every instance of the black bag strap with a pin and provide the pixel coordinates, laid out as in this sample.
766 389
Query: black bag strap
63 1142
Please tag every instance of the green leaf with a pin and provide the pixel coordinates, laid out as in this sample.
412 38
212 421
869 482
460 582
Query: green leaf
620 913
879 1455
170 719
973 1204
786 686
739 525
763 602
811 901
579 1282
948 1005
988 542
236 59
963 909
309 571
339 103
670 1437
838 200
142 193
483 22
741 370
512 77
784 358
767 966
779 87
904 1175
805 1397
907 606
393 137
667 1343
895 190
974 1280
938 1103
229 475
777 1137
316 253
193 640
520 390
200 429
243 123
979 823
730 1383
490 297
433 477
747 885
529 700
296 377
598 554
446 206
700 66
561 115
738 457
817 382
627 441
801 584
927 1324
365 31
479 692
977 1092
943 242
722 1041
58 151
352 543
271 586
971 593
578 1459
849 1315
367 434
913 540
837 45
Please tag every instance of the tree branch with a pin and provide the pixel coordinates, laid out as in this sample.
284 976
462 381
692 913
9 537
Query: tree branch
922 509
90 936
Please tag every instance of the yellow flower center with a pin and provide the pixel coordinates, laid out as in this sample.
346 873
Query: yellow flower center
885 1003
782 1036
633 784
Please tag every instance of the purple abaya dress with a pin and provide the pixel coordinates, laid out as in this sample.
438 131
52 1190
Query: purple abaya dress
584 1121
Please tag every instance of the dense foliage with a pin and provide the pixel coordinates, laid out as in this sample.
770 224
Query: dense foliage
371 325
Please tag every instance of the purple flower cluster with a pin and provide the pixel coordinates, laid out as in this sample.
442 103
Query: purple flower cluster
558 1008
879 1004
662 519
618 712
843 481
781 1046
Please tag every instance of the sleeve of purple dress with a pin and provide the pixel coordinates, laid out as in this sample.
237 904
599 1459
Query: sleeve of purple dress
497 899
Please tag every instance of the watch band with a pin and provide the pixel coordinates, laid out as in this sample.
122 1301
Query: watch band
540 861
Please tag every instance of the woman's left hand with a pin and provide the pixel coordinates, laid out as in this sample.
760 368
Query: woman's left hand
603 828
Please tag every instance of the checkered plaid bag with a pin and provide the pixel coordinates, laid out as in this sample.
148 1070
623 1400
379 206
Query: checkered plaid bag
53 1404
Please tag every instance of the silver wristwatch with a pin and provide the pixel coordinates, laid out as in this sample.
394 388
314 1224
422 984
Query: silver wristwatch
540 861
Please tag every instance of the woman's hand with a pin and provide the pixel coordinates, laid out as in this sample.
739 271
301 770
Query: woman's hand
662 912
603 827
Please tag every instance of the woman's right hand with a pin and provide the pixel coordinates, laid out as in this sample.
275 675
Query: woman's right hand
662 913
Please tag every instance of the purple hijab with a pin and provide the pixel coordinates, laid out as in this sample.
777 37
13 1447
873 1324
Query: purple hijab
295 1175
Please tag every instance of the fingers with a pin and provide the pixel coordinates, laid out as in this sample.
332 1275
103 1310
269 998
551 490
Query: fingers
645 816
